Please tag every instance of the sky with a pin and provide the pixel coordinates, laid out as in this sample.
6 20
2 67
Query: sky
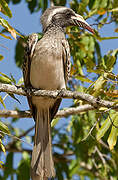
28 23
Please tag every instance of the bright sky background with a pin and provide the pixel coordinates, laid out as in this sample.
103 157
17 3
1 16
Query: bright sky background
28 23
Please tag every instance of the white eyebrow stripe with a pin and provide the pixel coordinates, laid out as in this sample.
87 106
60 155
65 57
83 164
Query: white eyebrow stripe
54 12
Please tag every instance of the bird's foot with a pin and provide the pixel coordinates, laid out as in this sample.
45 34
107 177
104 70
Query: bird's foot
28 90
18 86
61 92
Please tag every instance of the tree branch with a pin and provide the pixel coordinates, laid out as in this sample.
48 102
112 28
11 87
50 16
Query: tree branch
21 114
96 102
61 113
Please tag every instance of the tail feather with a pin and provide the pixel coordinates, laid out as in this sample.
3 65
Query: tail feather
42 164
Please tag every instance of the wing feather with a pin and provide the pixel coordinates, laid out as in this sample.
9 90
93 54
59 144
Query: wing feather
29 51
66 65
66 59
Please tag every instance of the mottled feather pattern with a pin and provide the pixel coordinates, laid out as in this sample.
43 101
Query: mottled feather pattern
29 50
66 59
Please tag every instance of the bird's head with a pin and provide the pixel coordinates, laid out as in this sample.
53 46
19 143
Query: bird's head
63 17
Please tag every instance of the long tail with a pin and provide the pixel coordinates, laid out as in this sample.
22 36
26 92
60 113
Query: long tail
42 166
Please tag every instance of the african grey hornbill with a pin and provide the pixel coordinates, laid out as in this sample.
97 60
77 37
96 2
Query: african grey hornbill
46 67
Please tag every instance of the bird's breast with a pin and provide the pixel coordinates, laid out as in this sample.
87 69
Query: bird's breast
47 71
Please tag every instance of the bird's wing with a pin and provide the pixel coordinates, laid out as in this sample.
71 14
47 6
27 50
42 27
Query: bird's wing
66 59
55 108
29 51
66 63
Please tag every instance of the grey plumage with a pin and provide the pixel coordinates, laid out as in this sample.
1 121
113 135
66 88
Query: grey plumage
47 66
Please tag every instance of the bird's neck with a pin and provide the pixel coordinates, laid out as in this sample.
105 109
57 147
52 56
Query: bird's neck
54 29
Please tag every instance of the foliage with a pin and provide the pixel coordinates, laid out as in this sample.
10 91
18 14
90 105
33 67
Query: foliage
4 23
5 10
86 146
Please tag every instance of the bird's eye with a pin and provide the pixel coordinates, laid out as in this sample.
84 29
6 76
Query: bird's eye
68 14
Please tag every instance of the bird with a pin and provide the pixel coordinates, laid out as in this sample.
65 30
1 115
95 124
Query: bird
47 67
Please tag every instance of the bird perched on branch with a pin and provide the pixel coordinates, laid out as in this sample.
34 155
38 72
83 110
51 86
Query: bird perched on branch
47 67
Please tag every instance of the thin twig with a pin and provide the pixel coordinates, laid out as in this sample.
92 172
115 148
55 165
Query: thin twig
100 155
90 131
26 132
15 137
96 24
103 144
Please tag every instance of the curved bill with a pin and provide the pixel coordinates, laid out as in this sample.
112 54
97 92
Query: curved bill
79 21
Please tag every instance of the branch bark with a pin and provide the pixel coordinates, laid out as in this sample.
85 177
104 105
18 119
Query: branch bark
96 102
61 113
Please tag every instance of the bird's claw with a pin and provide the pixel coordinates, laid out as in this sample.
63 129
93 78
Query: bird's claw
61 92
28 90
18 86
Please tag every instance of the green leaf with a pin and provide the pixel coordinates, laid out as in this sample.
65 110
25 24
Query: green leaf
109 60
8 165
5 76
103 4
73 167
23 171
1 162
45 4
59 2
8 27
16 1
2 147
5 9
25 156
91 3
54 122
32 5
98 50
4 128
13 96
2 102
84 79
7 37
96 4
20 51
99 84
113 115
105 126
20 81
1 168
1 57
13 79
113 137
114 132
5 79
